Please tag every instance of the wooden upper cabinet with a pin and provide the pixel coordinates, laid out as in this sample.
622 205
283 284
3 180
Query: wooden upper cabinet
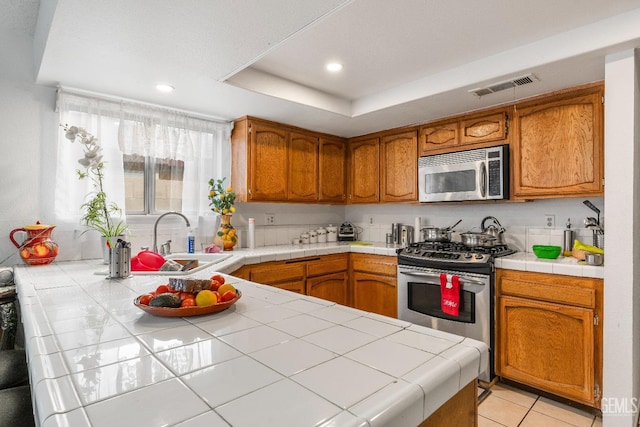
483 129
303 167
364 171
439 136
269 161
399 167
332 170
558 146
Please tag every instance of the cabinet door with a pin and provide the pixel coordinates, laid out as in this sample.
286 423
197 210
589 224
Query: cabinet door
438 137
303 167
547 346
270 274
297 286
364 157
374 293
558 148
483 129
332 287
333 155
399 167
269 163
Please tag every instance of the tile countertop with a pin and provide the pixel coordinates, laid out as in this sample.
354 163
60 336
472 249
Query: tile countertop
526 261
274 358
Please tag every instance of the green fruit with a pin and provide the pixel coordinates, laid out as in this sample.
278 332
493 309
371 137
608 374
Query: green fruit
167 299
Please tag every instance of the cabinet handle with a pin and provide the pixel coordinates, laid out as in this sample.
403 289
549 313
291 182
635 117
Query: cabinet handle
295 261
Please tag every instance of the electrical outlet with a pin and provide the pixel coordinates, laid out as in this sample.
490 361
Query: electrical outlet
549 221
370 220
270 219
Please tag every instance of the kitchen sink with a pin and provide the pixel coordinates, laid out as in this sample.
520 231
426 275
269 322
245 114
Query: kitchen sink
204 260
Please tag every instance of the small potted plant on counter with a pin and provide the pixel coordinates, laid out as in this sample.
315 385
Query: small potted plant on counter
221 201
98 212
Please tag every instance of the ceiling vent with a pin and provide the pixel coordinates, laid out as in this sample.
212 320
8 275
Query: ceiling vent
507 84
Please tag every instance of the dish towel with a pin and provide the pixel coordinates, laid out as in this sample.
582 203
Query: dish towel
450 294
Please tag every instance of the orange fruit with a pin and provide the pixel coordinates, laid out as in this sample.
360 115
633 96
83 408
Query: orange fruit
40 250
226 287
24 253
205 298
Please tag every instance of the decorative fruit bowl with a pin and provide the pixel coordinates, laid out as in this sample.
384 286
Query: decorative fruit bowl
547 251
186 311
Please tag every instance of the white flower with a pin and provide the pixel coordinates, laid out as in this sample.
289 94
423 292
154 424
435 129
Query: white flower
71 133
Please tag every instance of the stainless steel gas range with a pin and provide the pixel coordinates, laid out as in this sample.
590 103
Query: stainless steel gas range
426 269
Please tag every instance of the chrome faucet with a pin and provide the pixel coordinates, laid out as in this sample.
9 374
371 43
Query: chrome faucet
155 227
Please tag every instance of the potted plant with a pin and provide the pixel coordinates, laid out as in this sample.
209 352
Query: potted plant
98 212
221 201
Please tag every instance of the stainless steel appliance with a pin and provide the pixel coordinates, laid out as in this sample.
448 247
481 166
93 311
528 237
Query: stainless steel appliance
479 174
419 297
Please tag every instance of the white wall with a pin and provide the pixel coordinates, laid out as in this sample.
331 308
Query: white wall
26 120
622 281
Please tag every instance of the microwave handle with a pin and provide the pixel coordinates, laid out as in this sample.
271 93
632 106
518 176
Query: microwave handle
483 180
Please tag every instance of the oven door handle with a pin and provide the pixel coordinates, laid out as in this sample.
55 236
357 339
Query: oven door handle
436 278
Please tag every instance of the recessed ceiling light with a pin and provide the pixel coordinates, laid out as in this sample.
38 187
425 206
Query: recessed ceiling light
334 67
163 87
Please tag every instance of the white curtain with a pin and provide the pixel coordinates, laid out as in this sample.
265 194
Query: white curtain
125 127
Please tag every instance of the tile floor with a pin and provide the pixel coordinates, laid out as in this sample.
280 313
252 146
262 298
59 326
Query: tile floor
508 406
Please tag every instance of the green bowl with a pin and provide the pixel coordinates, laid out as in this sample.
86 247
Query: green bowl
546 251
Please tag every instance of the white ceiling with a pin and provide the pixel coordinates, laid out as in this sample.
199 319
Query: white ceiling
405 62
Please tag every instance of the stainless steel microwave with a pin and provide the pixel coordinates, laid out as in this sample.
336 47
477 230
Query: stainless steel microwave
479 174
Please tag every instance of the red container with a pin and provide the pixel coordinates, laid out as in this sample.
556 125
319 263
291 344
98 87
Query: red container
38 248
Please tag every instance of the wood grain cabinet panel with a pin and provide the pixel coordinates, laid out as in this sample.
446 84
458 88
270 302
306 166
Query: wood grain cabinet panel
484 129
439 136
303 167
331 287
377 294
374 283
272 162
332 170
364 158
399 167
549 333
558 146
269 160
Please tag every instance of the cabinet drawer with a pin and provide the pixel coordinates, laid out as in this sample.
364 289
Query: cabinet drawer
278 273
374 264
327 265
576 291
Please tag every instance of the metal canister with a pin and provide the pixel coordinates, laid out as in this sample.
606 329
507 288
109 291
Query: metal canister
567 244
120 260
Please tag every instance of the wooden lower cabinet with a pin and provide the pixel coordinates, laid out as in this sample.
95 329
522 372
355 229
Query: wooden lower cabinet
332 287
549 333
289 277
323 276
367 282
374 283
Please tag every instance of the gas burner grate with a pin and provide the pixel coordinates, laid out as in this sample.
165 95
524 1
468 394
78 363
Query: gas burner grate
496 251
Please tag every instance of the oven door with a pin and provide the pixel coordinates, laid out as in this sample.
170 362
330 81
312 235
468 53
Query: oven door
451 182
419 302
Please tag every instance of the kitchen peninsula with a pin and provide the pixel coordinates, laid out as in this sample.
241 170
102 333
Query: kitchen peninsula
274 358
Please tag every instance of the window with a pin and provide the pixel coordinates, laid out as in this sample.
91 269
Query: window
156 159
152 185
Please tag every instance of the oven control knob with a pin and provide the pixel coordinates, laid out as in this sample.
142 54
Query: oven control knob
479 256
416 250
467 255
